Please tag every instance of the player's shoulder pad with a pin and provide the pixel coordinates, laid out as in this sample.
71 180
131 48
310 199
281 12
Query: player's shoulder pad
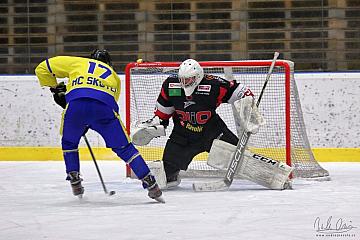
172 81
214 78
217 81
172 78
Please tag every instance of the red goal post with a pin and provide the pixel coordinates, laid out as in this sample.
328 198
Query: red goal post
284 138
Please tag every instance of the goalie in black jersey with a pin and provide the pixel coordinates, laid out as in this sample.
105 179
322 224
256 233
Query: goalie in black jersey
190 99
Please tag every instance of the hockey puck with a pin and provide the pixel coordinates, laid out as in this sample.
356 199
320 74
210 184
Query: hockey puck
111 193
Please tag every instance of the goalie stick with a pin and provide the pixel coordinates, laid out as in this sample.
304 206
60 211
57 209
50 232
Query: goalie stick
225 183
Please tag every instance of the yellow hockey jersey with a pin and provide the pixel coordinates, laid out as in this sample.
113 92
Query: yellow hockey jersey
88 78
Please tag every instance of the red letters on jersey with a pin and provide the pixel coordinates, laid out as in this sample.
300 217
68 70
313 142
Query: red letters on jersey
200 117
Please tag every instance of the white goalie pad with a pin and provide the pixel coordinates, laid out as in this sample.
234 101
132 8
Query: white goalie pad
157 169
143 132
254 167
247 114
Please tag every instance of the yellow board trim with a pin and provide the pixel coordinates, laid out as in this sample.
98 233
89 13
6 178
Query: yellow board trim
337 154
55 153
50 154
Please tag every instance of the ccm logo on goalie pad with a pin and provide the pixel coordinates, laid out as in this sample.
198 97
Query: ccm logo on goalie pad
264 159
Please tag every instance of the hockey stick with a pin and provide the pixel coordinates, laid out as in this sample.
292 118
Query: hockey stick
225 183
97 167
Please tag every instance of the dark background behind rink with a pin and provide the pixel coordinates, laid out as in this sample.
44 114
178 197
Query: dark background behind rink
318 35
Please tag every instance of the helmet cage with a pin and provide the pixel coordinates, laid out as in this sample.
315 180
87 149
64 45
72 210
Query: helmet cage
190 75
187 81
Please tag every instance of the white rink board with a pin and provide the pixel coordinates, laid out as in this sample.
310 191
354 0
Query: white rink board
330 104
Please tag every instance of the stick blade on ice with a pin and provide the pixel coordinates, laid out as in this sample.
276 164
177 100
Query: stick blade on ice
210 186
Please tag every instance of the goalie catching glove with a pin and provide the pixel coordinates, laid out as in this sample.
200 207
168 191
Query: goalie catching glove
247 115
143 132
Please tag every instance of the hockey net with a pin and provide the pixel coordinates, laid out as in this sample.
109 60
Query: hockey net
283 137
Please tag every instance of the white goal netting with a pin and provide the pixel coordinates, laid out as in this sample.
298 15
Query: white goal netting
283 137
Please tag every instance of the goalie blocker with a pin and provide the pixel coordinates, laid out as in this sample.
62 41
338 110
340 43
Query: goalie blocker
254 167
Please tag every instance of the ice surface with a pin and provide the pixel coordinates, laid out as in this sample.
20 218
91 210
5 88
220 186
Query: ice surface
36 203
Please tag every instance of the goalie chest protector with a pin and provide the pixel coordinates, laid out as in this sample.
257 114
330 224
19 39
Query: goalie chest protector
192 113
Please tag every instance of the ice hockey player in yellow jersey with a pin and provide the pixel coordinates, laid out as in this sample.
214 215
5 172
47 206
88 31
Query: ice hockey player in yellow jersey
90 102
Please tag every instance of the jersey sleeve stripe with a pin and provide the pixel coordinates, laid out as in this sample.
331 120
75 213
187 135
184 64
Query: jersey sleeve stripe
165 110
48 66
222 93
162 115
163 94
163 102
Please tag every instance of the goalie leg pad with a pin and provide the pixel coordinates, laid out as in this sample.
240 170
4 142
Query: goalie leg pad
220 154
265 171
254 167
157 169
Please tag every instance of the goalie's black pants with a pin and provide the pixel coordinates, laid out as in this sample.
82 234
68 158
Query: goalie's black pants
179 152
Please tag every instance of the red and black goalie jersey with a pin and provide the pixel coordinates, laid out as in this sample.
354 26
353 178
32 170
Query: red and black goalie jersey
195 115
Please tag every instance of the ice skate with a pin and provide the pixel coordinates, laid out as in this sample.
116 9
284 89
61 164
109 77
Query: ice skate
150 184
75 181
173 181
288 185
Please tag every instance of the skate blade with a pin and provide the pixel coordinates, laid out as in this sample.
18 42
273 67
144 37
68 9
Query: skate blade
80 196
160 199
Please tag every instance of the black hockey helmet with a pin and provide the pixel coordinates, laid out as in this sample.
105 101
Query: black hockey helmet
101 55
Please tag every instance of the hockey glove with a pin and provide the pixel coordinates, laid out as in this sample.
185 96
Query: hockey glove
59 94
143 132
248 115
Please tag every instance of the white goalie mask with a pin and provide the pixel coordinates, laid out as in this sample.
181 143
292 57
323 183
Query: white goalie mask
190 75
